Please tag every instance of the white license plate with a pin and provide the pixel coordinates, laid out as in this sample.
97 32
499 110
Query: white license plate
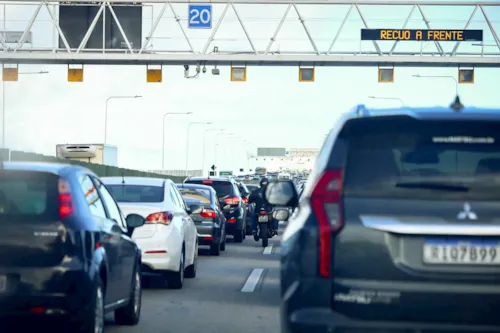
461 252
3 283
263 218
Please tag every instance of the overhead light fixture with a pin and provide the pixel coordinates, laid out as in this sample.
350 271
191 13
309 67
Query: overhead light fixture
153 74
386 75
466 75
238 74
306 74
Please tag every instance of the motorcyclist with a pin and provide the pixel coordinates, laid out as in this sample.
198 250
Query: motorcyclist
257 197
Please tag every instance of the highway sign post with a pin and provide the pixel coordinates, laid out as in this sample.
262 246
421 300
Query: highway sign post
200 16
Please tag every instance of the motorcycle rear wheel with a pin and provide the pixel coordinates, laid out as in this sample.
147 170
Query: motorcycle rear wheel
264 234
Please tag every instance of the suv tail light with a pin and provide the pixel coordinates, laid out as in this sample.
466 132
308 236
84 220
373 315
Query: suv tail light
160 218
245 200
65 200
208 213
326 201
232 201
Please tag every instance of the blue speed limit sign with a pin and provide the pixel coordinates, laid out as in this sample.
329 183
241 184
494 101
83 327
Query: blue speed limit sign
200 16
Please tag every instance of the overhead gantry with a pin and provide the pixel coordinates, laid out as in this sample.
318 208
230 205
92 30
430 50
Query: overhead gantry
184 32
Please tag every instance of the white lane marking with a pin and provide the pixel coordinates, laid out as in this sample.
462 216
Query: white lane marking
268 250
252 281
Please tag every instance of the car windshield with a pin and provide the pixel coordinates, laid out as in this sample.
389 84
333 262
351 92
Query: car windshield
28 196
406 158
195 196
137 193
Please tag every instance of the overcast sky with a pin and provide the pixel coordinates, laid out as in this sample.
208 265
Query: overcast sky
271 109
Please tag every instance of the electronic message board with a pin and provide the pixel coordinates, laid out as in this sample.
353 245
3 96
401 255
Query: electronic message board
75 19
423 35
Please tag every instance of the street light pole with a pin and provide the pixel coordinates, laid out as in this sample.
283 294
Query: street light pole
389 98
217 145
232 160
244 144
3 114
246 154
163 135
205 144
187 140
3 103
106 113
440 77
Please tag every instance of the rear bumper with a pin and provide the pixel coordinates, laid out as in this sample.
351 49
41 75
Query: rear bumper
208 234
50 305
233 213
323 320
65 294
239 224
168 240
231 228
307 307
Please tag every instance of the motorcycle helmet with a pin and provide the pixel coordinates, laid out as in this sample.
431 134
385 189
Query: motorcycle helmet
264 182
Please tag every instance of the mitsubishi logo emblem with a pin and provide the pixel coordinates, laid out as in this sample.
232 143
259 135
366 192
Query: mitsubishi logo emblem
467 213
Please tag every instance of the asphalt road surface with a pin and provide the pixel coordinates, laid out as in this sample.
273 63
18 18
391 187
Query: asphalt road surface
235 292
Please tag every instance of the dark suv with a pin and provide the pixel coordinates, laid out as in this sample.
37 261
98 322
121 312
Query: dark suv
66 251
398 227
231 201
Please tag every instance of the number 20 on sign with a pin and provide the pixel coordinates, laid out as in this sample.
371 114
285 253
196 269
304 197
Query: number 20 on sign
200 16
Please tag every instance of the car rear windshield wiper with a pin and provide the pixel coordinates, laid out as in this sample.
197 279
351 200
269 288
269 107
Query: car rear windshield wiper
434 186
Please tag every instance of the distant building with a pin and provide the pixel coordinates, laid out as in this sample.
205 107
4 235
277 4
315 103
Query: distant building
295 158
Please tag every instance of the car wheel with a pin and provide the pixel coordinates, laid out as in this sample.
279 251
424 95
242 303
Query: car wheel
215 249
175 280
92 320
238 235
130 314
223 243
191 269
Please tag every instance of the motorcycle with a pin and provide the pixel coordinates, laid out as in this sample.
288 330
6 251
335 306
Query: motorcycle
265 228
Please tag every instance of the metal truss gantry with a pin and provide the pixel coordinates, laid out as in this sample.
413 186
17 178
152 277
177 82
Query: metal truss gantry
323 49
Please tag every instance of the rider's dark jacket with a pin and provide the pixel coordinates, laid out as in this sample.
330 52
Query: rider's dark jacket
257 197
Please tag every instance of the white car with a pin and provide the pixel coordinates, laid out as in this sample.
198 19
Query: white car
168 239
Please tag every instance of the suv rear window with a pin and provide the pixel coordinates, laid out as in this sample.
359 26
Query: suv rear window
403 157
31 196
137 193
223 189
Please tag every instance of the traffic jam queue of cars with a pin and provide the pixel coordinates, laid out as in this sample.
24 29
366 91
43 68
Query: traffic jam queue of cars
75 246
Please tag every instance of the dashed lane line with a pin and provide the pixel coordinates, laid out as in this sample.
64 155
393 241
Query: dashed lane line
268 250
252 280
